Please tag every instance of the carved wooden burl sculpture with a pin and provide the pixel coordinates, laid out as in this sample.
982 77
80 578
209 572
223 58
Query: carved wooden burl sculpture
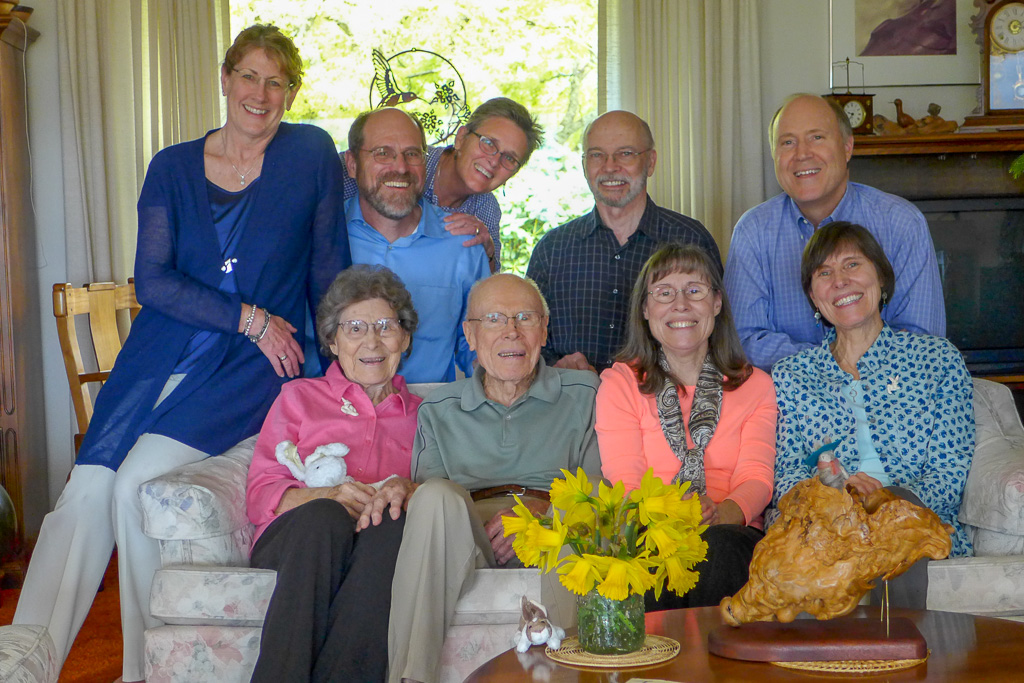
827 547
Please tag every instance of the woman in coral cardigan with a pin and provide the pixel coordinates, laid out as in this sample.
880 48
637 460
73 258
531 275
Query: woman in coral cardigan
684 401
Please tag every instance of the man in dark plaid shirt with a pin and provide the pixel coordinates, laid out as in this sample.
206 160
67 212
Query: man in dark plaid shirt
587 267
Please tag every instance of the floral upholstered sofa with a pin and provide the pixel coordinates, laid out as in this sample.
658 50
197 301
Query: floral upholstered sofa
213 604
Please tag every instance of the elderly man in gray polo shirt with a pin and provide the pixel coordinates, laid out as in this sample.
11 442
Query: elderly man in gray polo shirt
510 428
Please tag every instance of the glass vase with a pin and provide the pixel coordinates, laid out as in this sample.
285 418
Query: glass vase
610 627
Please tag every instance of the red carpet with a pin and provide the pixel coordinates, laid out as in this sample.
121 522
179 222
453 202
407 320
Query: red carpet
96 655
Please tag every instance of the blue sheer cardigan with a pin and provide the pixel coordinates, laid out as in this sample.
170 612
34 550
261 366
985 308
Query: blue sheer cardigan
292 248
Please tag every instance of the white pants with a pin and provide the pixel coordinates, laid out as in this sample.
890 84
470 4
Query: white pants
98 508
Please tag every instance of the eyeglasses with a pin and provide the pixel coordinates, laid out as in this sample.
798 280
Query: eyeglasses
487 146
385 327
693 291
413 156
273 83
497 321
623 157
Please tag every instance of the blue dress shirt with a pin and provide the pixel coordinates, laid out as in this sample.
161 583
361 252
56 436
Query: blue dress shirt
438 271
484 206
762 275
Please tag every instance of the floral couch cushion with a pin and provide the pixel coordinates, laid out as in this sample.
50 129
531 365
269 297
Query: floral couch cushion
211 654
232 596
27 655
994 494
197 512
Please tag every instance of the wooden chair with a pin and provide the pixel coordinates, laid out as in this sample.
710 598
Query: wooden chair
100 301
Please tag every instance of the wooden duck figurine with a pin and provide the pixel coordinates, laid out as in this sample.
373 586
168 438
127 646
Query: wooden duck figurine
904 120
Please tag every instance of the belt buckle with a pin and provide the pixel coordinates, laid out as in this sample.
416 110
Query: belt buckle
516 490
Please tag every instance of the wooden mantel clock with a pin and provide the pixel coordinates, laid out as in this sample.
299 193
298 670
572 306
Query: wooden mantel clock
858 106
1000 29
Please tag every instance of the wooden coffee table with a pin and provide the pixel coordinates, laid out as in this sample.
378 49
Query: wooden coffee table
962 647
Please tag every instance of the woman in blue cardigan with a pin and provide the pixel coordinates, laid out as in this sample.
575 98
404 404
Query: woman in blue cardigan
892 408
238 232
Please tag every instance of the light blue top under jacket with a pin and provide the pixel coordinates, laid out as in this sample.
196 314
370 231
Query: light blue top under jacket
438 271
919 402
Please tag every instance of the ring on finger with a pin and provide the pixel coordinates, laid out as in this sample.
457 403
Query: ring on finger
478 229
282 358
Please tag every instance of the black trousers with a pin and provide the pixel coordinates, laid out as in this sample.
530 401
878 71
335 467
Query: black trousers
328 617
909 589
723 573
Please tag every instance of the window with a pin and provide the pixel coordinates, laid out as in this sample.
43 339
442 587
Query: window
540 53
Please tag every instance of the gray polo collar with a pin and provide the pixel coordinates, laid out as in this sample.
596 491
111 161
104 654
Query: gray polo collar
546 386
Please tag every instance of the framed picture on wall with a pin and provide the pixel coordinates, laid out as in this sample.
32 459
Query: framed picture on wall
906 42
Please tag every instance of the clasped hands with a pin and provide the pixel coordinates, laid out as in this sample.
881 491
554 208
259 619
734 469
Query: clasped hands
367 505
495 528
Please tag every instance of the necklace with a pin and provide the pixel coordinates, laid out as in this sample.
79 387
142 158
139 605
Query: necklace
241 176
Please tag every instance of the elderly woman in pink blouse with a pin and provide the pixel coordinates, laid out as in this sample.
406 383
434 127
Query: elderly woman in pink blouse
684 401
334 547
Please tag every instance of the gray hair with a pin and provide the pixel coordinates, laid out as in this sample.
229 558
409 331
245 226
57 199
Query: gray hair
516 113
521 278
845 129
362 282
356 136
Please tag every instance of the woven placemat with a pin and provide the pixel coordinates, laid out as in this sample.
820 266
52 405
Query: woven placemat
655 650
867 666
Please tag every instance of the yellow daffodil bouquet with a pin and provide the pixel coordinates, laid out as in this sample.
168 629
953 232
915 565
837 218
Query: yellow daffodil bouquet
622 544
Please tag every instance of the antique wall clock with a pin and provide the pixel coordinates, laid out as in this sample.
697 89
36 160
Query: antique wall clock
1000 25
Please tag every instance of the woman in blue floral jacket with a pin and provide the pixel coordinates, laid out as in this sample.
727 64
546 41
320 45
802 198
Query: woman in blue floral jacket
894 408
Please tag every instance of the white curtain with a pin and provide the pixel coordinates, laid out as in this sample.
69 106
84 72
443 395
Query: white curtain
135 76
690 68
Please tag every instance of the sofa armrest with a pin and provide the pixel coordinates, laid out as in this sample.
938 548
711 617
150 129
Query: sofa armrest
993 497
202 500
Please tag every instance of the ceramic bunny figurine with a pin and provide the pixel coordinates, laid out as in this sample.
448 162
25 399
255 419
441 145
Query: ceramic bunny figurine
536 629
325 466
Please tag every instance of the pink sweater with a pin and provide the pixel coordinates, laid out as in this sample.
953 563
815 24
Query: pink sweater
308 413
739 461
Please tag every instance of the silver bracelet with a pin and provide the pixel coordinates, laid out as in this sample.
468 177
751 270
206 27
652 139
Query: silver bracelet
248 321
257 338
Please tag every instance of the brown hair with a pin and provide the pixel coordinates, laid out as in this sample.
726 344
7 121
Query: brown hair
505 108
829 238
276 44
641 350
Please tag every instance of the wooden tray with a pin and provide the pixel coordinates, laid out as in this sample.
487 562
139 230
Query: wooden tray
810 640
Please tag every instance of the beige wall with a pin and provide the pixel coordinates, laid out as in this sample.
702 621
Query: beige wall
47 189
795 58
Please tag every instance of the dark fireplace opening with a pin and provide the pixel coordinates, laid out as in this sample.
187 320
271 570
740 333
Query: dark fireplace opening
979 243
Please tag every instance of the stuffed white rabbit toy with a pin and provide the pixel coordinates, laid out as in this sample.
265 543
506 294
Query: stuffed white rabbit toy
325 466
536 629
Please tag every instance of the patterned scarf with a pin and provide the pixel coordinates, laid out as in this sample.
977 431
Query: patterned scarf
704 414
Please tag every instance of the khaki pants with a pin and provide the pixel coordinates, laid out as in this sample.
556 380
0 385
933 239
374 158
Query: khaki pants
443 543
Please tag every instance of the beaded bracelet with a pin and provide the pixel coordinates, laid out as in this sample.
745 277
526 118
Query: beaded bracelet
248 321
257 338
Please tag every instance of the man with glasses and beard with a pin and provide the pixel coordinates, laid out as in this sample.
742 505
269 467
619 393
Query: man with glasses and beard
586 268
390 224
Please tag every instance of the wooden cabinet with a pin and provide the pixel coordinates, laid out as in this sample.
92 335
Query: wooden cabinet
22 426
975 211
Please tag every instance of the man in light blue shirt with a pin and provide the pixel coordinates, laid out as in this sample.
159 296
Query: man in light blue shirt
390 224
812 142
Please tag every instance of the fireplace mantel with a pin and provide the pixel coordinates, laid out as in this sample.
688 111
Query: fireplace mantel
953 166
951 143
